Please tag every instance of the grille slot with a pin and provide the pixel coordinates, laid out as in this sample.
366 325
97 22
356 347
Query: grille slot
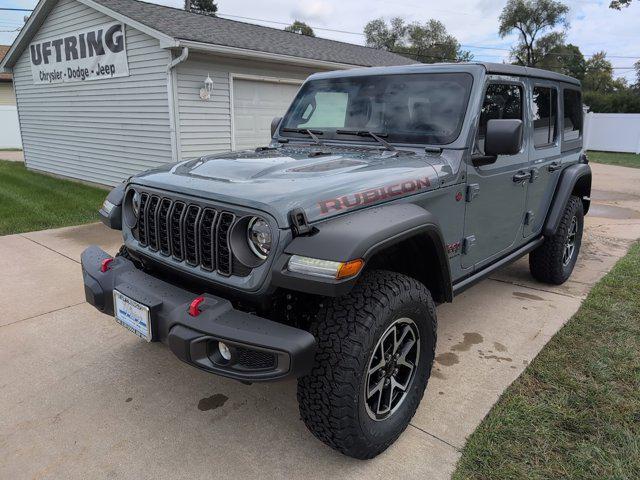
151 214
195 235
207 245
222 243
142 223
190 225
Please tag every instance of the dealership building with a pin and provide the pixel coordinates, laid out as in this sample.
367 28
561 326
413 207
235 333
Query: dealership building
108 88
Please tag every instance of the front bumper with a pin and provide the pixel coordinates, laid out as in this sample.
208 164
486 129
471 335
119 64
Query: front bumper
263 350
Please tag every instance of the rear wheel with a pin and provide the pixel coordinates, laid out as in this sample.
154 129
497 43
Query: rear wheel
375 351
554 260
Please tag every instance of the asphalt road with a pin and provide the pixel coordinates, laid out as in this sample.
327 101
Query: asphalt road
80 397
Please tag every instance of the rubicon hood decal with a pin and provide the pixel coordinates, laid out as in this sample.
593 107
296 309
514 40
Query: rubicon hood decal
373 195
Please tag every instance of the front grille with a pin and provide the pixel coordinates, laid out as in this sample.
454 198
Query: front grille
255 359
188 233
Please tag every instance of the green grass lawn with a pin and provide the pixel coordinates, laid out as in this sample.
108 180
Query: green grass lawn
32 201
613 158
575 411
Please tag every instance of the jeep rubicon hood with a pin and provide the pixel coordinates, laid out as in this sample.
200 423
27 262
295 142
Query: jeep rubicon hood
324 181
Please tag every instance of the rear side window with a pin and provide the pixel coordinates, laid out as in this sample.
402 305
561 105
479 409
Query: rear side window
545 114
501 101
573 115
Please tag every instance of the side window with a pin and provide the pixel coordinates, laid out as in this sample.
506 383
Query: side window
573 115
501 101
328 111
545 114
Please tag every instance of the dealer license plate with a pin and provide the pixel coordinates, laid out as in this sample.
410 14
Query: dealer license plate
132 315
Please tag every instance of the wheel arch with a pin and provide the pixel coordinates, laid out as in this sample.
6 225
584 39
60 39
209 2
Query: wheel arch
575 180
402 232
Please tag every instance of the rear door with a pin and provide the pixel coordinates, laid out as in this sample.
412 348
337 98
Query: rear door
255 104
495 197
544 153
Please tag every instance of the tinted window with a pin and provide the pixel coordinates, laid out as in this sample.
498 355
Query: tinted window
545 113
573 115
501 101
413 108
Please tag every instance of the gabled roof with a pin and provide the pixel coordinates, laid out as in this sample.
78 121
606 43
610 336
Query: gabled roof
176 24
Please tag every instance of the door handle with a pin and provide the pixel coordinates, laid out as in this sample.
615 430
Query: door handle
555 166
521 176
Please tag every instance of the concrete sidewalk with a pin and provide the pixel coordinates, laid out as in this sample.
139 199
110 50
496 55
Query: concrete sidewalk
82 398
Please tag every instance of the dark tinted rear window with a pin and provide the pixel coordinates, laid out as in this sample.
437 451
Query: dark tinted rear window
573 115
545 114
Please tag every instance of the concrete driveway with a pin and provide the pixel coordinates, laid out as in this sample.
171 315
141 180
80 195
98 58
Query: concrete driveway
83 398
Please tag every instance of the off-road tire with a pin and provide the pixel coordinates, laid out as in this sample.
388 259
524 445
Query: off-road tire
331 398
546 262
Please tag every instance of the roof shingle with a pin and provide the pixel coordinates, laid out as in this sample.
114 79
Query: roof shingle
231 33
5 77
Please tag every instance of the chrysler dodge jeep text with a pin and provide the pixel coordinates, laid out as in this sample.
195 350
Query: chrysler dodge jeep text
322 256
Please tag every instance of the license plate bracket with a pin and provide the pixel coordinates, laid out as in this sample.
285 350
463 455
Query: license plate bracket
132 315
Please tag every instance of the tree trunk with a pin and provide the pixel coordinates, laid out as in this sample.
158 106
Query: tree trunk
187 5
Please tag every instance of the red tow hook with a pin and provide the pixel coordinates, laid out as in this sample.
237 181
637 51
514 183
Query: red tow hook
194 307
104 265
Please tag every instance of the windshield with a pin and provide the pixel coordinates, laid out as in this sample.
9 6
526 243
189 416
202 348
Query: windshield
412 108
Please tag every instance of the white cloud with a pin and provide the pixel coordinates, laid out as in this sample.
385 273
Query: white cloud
316 10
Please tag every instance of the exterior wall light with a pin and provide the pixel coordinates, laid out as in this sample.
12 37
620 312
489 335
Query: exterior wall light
205 92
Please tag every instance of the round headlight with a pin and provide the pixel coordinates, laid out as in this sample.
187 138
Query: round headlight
135 204
259 237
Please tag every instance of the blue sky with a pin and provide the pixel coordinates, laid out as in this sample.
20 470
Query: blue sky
594 26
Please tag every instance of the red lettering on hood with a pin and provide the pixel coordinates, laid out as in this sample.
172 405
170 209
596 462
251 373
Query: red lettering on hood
373 195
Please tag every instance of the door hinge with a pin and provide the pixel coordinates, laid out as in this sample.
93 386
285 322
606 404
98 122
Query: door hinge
472 192
468 243
528 218
535 174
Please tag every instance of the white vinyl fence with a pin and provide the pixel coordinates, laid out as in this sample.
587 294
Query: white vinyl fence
612 132
9 127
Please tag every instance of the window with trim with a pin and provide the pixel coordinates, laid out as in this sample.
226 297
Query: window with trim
501 101
545 114
573 115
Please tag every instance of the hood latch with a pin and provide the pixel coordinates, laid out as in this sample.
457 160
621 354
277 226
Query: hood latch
299 223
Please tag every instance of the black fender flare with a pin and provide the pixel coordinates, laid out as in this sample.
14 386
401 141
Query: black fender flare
361 234
574 180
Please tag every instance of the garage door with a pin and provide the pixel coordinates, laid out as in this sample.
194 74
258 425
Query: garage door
255 104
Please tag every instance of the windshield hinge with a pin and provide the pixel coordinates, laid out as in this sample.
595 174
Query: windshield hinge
299 223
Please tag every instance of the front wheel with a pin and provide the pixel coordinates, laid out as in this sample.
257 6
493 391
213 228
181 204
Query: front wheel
375 351
554 260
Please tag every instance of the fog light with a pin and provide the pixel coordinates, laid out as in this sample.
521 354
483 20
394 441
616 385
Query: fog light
225 352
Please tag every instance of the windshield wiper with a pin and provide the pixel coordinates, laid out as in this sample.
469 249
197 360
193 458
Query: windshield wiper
312 133
376 136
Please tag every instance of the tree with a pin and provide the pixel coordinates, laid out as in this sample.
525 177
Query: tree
301 28
637 67
530 18
598 74
204 7
566 59
619 4
428 43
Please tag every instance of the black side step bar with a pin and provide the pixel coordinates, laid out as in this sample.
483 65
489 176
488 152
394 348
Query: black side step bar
474 278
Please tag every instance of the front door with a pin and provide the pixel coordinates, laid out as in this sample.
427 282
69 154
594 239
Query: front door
544 154
496 193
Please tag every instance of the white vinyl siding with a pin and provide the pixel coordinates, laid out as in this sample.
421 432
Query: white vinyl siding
101 130
205 126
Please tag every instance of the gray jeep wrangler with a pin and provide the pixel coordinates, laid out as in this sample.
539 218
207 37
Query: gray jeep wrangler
323 255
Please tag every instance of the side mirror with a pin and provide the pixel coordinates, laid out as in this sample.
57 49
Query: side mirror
504 137
274 125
